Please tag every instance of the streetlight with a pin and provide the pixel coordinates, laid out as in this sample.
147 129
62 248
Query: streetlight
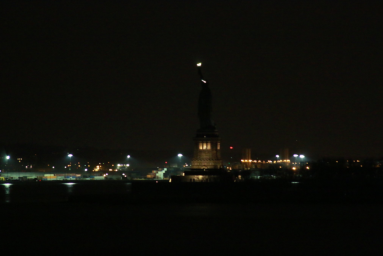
180 156
301 157
128 157
6 162
70 161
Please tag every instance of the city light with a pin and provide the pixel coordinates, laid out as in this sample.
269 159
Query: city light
179 155
8 157
295 155
128 156
203 81
199 64
277 156
301 156
70 155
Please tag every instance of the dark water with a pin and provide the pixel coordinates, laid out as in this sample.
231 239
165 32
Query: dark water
60 191
83 218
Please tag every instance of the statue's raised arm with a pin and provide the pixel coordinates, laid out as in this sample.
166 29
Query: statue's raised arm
205 103
199 65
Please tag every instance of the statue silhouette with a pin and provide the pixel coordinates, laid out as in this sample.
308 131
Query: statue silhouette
205 104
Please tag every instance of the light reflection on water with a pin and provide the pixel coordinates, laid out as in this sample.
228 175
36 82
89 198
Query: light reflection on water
69 186
28 192
7 187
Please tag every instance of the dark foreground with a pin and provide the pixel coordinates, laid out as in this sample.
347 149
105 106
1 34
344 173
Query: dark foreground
135 222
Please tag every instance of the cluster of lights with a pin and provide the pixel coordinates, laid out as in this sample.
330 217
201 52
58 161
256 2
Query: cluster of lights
268 161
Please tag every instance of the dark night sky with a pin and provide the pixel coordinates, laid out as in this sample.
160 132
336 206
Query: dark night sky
295 74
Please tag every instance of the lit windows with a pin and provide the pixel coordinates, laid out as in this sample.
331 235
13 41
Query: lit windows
204 146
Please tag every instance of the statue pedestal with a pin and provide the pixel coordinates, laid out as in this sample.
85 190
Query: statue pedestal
207 150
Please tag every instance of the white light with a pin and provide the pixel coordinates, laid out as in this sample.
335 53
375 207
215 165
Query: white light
301 156
179 155
295 155
86 170
277 156
70 155
53 167
199 64
128 156
203 81
7 184
8 157
69 183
